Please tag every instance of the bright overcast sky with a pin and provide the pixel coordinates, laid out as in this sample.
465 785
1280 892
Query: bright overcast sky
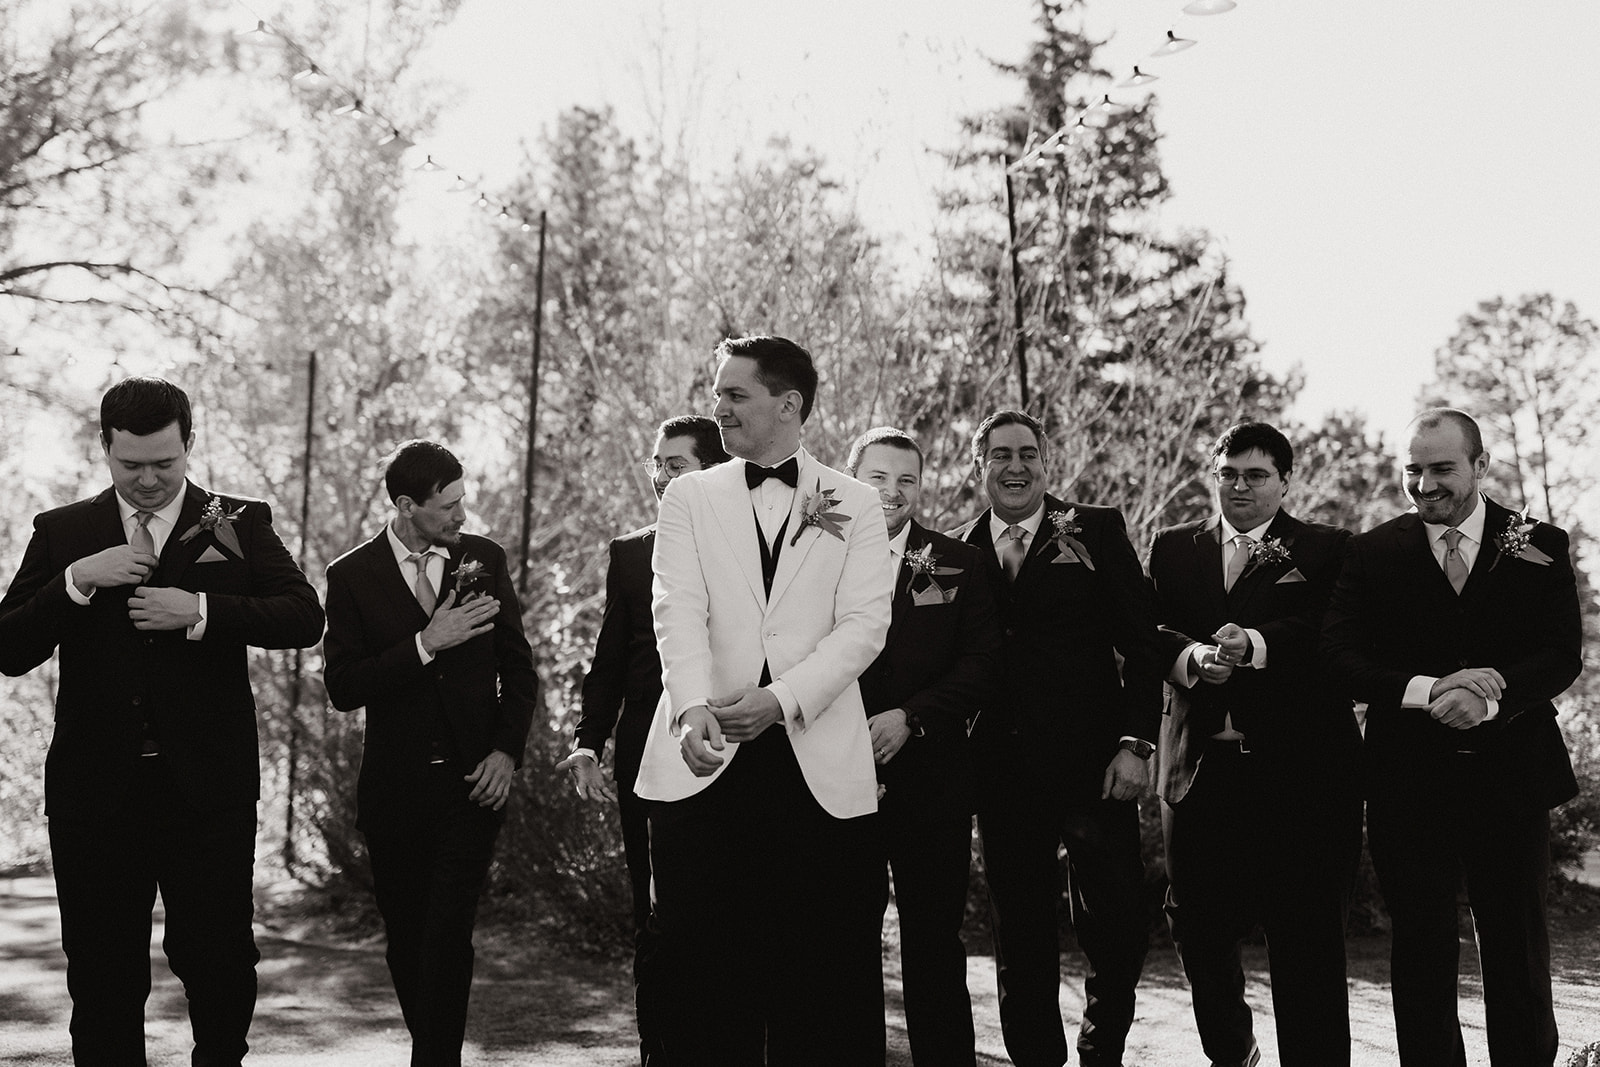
1371 168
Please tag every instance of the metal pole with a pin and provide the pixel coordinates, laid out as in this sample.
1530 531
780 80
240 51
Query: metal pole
533 413
296 676
1019 339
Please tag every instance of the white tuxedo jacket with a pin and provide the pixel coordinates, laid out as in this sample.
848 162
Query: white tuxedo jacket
824 623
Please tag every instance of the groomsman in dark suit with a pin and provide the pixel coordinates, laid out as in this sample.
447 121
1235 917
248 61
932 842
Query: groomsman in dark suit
425 633
1458 624
625 677
1257 758
1062 746
935 668
152 590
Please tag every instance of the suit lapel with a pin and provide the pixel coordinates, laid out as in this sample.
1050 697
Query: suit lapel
388 580
792 555
1284 528
1208 565
108 520
729 498
1411 538
177 554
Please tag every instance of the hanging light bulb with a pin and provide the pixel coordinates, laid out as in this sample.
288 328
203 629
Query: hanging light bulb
1208 7
526 226
482 201
354 109
428 166
1136 79
504 214
396 140
261 35
311 78
1173 45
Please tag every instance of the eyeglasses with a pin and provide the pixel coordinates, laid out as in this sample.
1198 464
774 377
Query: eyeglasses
1254 479
674 466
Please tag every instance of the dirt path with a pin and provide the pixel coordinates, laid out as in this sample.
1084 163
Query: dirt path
331 1003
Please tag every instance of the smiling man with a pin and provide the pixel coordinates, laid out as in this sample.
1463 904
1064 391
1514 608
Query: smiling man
1458 625
152 591
771 597
1257 763
920 693
425 634
1061 746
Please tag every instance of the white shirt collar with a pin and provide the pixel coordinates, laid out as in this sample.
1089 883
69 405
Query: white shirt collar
1030 525
1229 533
401 552
1471 527
168 514
897 543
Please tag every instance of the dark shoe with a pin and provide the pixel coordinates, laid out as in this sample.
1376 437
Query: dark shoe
1250 1060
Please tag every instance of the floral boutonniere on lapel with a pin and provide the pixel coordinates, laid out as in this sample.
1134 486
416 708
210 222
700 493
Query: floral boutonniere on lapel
1267 552
468 573
924 564
218 521
816 509
1515 540
1066 538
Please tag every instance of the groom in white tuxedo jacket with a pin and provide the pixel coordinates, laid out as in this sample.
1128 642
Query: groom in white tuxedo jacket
772 595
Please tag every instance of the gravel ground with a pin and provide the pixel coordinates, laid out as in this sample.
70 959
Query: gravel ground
325 1001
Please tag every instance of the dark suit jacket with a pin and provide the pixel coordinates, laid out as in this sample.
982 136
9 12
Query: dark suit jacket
937 663
1290 708
1395 616
1059 694
113 678
625 675
480 694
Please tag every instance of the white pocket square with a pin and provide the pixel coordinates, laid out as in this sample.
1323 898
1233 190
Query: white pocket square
211 555
1294 575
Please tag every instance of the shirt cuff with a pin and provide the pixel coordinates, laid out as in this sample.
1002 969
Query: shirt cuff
587 752
1494 709
793 720
1258 650
198 630
677 716
1183 671
77 595
1416 694
423 654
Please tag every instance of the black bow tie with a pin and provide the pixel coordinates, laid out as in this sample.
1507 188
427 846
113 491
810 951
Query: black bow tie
787 472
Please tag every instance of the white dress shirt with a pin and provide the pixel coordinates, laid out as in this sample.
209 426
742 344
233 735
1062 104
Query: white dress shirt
998 528
435 557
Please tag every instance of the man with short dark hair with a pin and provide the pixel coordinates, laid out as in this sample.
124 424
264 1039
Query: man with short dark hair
425 633
771 598
152 591
625 677
1062 746
1458 624
935 668
1257 760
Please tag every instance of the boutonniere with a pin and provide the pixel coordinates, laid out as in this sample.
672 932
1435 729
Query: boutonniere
924 564
816 509
218 521
467 574
1515 540
1267 552
1066 538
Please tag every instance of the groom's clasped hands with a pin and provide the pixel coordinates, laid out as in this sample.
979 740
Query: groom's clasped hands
738 716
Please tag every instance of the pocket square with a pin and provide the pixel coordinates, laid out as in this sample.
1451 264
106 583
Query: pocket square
1294 575
211 555
933 595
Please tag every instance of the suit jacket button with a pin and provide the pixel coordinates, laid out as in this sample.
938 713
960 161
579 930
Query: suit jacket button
137 701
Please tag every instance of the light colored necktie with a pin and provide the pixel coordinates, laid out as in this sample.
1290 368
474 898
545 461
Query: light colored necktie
142 540
1236 565
424 588
1455 568
1012 552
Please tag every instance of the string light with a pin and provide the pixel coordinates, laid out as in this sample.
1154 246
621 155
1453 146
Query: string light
261 35
311 78
1208 7
1136 79
428 166
1173 45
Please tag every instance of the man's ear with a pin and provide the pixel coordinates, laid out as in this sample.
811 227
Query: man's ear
793 403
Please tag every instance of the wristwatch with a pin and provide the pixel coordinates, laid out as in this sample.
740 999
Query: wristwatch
1142 749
